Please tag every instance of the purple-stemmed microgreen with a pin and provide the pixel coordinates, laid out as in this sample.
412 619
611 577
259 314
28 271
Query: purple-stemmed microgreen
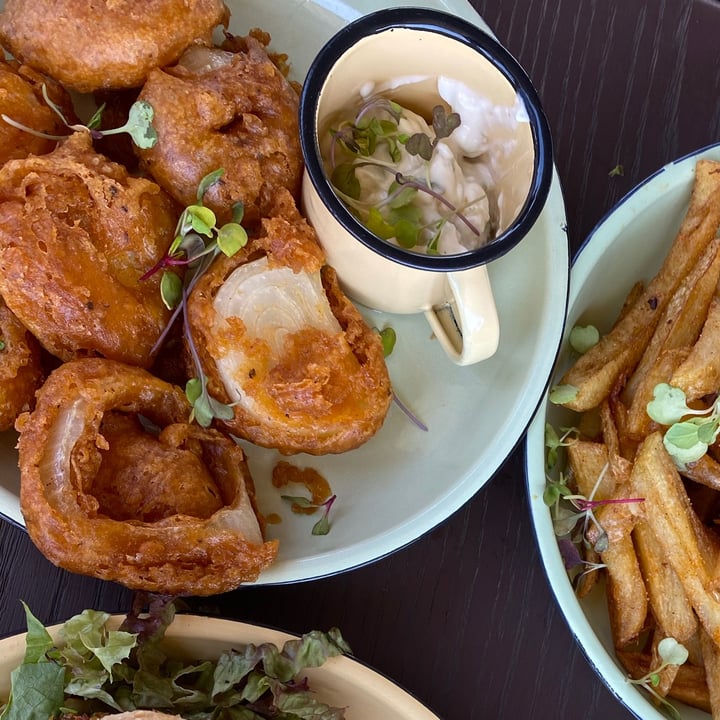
198 241
398 215
672 654
322 526
572 560
690 432
139 123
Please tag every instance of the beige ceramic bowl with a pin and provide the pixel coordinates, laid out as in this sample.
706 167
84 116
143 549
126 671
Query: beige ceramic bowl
341 681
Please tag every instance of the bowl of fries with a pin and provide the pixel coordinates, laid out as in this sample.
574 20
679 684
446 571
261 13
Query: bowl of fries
623 457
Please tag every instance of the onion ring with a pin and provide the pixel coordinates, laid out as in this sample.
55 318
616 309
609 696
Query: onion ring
21 370
109 44
60 451
77 233
231 110
280 341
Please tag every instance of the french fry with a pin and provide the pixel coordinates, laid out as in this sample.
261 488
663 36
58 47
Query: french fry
699 374
599 479
669 516
666 595
626 595
596 372
705 471
711 662
680 325
638 423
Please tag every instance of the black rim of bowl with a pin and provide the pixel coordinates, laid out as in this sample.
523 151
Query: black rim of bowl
465 32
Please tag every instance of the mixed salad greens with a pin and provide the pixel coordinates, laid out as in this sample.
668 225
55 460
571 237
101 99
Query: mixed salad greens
92 670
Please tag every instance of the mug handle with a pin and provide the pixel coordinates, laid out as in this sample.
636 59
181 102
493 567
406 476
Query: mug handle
467 323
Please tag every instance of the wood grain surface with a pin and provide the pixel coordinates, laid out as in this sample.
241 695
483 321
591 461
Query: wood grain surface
464 618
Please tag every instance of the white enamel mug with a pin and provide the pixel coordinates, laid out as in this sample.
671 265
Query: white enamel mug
386 48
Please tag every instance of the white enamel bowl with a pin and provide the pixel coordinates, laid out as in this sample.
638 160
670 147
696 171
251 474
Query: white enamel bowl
628 245
404 481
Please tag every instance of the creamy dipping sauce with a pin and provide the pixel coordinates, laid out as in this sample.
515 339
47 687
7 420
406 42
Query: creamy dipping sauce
442 203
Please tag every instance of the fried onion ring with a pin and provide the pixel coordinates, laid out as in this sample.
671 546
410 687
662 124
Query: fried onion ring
107 43
21 370
279 340
231 110
22 101
77 233
60 452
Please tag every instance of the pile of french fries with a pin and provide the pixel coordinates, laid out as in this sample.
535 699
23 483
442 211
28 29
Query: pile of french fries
661 550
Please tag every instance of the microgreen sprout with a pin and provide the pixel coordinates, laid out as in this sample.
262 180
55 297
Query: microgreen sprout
572 559
561 394
198 241
672 653
139 123
617 171
553 442
583 338
375 129
690 431
2 344
322 526
388 337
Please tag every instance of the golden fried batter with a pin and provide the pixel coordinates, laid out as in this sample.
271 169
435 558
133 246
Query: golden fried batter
61 451
146 477
21 371
76 235
231 110
278 339
22 101
105 43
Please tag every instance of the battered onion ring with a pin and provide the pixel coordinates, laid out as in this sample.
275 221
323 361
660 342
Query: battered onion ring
21 100
59 453
231 110
106 43
304 373
77 233
21 371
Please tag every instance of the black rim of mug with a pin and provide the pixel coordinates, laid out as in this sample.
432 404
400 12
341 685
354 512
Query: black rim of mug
463 31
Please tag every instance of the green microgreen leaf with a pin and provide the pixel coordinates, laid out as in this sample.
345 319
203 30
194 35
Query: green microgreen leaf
420 144
668 406
345 180
561 394
444 124
139 124
672 652
231 238
2 344
207 182
170 289
617 171
583 338
406 233
202 219
388 338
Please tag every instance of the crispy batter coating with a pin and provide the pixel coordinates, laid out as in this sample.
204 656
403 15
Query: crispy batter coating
21 100
105 43
21 370
320 387
231 110
61 449
149 478
76 235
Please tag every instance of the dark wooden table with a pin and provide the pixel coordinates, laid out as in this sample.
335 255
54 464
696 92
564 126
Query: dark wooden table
464 617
